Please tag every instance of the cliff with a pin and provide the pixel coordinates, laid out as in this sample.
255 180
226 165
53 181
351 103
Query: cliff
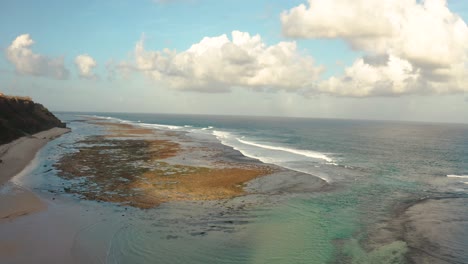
20 116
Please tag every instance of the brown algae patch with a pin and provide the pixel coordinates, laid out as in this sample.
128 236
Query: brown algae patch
198 183
132 171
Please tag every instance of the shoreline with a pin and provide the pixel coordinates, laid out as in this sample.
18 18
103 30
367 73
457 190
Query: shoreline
17 157
80 230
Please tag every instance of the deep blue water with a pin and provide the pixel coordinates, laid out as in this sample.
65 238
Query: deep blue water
373 167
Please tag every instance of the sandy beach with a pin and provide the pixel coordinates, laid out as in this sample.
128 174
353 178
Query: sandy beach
16 155
15 200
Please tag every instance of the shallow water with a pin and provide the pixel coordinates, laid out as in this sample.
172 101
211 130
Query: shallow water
374 169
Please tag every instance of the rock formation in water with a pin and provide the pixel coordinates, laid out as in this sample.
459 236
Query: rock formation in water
20 116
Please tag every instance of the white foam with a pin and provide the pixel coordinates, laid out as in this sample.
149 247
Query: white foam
160 126
207 128
226 139
139 123
307 153
221 134
457 176
224 136
96 116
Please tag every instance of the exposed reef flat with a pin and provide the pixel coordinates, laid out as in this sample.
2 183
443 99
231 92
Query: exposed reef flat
143 167
426 230
436 230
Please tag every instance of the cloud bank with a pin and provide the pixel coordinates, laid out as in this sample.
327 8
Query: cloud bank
217 64
85 65
27 62
411 46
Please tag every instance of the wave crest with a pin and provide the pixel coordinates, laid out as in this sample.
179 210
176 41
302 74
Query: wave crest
457 176
307 153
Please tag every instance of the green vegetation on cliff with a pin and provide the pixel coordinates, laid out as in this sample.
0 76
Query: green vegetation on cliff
20 116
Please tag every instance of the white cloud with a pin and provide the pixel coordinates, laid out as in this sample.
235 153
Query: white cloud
335 18
27 62
395 76
427 44
85 65
217 64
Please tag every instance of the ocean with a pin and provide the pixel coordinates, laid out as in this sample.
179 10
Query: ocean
397 192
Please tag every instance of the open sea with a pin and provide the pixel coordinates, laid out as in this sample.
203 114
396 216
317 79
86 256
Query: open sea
397 193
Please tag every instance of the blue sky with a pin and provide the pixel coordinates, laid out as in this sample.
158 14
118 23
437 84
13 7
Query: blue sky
108 31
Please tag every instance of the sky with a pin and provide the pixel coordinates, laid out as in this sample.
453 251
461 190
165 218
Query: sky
360 59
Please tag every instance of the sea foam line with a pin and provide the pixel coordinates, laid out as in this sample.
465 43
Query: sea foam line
222 136
457 176
102 117
158 126
138 123
307 153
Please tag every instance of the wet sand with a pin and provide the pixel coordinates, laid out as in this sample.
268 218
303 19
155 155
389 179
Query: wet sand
15 156
16 201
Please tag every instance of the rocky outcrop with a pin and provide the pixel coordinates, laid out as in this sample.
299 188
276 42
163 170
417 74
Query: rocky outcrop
20 116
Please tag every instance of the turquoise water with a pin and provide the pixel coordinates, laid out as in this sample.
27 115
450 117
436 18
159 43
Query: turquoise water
373 168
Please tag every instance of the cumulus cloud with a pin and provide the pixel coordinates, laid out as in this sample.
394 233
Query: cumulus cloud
27 62
421 46
335 18
217 64
395 76
85 65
